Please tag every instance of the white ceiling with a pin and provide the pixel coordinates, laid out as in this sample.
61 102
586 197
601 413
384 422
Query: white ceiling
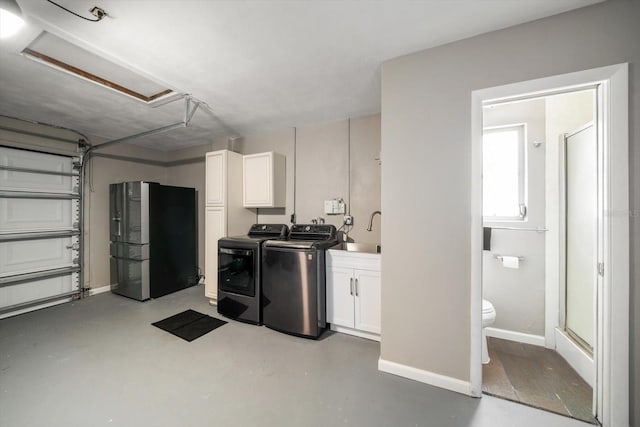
259 65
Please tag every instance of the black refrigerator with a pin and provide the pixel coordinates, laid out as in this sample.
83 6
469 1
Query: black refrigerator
153 248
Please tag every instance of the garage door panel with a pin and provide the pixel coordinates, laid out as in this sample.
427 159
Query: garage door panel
15 180
39 226
26 256
19 215
37 289
24 181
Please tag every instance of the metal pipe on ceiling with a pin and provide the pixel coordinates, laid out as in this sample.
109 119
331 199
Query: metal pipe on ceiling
136 136
189 111
83 137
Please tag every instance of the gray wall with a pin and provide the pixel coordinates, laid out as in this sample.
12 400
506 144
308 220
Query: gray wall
323 172
365 177
188 170
281 142
102 171
126 162
327 165
426 151
518 295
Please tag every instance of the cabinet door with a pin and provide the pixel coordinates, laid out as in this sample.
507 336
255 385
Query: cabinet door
258 180
216 183
215 228
339 298
367 301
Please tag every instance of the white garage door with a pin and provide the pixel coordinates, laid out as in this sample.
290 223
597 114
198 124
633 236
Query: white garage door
39 230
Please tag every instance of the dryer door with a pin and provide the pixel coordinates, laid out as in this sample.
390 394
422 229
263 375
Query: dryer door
236 271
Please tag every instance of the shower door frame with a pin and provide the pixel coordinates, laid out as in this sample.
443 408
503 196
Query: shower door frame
568 343
611 389
563 231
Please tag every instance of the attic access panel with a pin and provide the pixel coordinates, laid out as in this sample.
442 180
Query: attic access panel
62 55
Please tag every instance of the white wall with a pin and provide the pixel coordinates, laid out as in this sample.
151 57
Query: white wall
519 295
426 172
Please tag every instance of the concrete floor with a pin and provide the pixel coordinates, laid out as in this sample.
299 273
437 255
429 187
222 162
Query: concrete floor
99 362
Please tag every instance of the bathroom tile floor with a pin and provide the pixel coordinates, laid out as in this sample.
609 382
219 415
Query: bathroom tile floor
536 376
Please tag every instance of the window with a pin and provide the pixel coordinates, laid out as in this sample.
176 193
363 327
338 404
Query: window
504 173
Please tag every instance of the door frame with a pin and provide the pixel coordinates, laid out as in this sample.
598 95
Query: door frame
612 376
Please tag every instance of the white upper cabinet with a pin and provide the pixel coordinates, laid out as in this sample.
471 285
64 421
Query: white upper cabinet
264 180
216 185
224 213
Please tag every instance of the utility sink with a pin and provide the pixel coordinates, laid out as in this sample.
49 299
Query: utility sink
370 248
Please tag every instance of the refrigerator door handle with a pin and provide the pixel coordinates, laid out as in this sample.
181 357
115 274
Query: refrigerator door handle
118 220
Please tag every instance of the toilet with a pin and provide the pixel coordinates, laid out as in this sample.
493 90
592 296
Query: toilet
488 317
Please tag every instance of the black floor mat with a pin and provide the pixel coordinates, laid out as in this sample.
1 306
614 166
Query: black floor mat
189 324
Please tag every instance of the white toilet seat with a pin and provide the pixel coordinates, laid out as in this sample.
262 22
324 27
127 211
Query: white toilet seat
488 317
488 313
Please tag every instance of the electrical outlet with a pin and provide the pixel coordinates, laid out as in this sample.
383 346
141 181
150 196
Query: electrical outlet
98 12
348 220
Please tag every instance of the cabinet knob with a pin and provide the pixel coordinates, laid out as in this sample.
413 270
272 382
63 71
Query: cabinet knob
351 286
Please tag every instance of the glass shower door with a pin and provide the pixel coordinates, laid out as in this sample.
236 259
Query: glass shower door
581 196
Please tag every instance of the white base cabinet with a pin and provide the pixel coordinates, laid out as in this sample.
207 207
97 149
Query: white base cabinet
215 227
353 293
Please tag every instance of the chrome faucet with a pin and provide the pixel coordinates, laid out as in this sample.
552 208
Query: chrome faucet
371 219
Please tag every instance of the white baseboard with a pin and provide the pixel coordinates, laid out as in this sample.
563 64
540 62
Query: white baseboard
431 378
355 332
515 336
100 290
576 357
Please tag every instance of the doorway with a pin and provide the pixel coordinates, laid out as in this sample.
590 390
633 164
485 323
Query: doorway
611 399
527 143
